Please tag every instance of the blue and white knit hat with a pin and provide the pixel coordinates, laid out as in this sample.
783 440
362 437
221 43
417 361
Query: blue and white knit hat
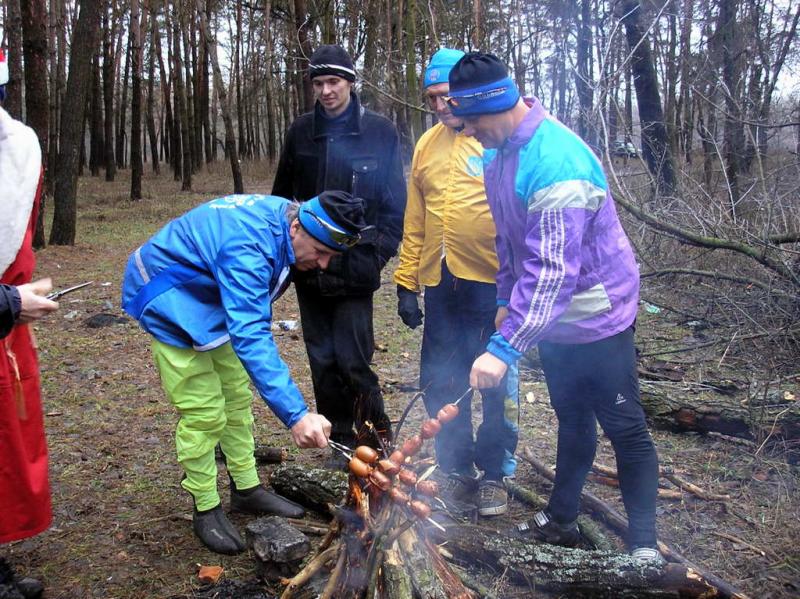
479 84
438 69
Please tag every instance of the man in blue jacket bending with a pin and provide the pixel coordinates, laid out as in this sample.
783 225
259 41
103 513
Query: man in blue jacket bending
203 288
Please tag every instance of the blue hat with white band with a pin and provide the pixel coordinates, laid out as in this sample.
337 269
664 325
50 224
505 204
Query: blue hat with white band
438 69
479 84
334 218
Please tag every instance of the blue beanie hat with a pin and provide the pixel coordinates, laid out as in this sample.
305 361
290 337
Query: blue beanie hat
334 218
479 84
439 66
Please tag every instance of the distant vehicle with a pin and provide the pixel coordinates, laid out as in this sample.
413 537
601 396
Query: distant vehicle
624 149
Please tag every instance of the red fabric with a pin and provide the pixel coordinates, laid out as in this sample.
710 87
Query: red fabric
24 488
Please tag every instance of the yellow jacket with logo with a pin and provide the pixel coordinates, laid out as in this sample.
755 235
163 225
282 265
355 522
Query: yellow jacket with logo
447 214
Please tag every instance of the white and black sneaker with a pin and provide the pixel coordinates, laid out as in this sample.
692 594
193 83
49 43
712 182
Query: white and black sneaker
648 556
544 528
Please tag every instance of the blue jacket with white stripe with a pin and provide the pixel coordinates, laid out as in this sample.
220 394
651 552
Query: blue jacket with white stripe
209 277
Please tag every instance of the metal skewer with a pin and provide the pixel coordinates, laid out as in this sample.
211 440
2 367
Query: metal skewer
343 449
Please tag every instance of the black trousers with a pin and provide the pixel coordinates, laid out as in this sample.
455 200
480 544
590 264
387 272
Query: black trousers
598 382
340 343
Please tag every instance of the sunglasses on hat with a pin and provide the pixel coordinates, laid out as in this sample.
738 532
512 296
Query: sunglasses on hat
472 99
338 236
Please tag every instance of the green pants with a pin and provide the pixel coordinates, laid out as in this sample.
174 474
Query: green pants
211 392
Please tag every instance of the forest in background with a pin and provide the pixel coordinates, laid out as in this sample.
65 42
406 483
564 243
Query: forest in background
705 92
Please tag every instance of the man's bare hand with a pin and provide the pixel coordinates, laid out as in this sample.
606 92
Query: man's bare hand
34 303
502 314
487 371
312 430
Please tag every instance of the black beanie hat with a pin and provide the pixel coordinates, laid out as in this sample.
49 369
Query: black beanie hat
331 60
344 209
479 84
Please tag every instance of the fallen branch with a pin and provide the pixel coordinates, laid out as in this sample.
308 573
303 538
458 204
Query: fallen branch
609 481
692 488
311 568
620 524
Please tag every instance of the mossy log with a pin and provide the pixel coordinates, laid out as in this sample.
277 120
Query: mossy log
315 488
577 571
722 414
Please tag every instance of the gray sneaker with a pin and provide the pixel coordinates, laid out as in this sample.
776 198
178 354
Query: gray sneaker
458 487
492 498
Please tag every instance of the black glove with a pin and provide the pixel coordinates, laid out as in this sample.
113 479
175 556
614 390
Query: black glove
408 308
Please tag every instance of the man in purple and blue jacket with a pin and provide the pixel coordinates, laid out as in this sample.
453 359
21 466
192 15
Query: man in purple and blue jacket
568 282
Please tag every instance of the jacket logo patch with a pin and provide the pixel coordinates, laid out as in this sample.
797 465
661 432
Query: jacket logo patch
475 166
620 399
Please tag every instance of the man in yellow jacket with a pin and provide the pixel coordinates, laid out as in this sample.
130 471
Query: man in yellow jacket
448 248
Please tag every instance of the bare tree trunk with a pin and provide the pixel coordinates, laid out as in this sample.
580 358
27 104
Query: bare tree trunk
34 33
205 87
655 146
96 141
304 90
197 85
219 85
412 79
122 110
186 15
272 147
180 99
730 63
149 115
13 102
109 29
237 77
478 32
583 83
685 107
136 102
73 117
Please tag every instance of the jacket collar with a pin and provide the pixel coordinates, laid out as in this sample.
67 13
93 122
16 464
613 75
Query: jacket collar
527 127
318 127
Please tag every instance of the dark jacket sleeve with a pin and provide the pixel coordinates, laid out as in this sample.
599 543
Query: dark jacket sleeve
283 185
10 305
393 201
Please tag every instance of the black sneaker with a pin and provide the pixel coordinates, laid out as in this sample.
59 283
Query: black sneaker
544 528
216 532
492 498
259 501
458 487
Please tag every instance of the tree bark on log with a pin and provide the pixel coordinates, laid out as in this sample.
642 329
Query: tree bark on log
721 415
549 567
315 488
619 523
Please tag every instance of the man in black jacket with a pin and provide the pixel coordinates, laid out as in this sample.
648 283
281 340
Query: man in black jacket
342 146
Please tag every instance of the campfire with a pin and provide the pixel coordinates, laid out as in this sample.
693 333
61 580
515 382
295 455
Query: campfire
378 546
387 540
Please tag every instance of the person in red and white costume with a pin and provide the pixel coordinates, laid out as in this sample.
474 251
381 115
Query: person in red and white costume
24 488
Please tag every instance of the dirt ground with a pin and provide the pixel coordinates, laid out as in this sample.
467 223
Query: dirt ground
121 524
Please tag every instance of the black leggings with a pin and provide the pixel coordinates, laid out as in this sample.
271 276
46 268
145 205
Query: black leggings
598 382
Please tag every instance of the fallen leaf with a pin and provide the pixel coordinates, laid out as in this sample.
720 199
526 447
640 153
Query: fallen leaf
760 475
788 396
210 574
529 397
